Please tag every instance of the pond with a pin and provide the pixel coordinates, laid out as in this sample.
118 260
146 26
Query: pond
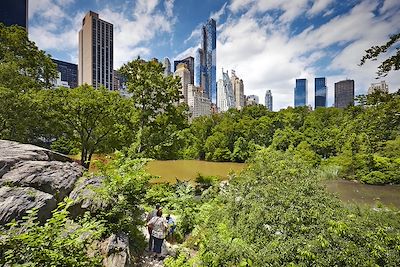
372 195
348 191
187 170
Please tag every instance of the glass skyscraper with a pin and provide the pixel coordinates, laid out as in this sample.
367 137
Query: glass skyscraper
14 12
268 100
206 62
300 93
320 92
344 93
69 72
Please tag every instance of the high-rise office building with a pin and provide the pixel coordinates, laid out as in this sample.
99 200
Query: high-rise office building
189 61
344 93
268 100
14 12
68 72
167 67
320 92
206 61
226 99
96 52
183 72
300 93
238 90
381 87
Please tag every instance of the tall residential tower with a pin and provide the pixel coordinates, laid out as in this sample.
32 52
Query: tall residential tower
268 100
96 61
205 68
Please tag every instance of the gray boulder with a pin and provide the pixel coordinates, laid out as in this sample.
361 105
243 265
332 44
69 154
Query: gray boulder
13 152
86 196
16 201
116 251
53 177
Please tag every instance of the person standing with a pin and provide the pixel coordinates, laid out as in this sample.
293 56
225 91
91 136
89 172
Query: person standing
151 215
159 229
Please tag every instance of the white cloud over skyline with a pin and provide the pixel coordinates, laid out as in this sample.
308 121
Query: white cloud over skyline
260 39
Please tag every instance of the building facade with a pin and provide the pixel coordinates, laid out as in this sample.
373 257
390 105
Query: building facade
344 93
184 73
381 87
226 99
189 61
68 73
96 54
14 12
238 90
300 93
252 100
206 61
268 100
320 92
199 104
167 67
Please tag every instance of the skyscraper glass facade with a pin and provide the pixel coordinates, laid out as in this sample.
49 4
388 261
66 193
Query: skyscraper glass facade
69 72
14 12
268 100
320 92
206 61
344 93
189 61
300 93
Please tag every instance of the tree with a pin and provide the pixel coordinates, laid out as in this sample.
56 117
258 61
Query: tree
93 118
22 65
155 97
389 64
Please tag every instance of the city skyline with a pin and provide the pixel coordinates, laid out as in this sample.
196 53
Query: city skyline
270 49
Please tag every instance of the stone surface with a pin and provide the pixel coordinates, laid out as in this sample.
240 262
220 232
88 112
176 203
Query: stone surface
13 152
116 251
86 198
53 177
16 201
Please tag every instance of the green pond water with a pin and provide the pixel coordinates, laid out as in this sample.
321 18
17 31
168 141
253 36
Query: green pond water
347 191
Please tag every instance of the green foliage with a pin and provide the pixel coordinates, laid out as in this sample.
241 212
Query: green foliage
59 242
124 190
22 65
278 214
159 118
389 64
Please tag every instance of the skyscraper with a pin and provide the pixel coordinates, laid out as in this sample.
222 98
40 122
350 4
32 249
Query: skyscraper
189 61
300 93
96 52
252 100
226 100
167 67
344 93
69 72
14 12
199 104
238 90
183 72
320 92
268 100
206 61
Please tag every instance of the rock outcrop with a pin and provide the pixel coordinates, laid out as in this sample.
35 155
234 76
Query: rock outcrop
33 177
116 251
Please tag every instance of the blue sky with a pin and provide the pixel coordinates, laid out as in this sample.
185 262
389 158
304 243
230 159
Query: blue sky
269 43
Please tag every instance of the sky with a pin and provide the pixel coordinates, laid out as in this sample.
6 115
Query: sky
269 43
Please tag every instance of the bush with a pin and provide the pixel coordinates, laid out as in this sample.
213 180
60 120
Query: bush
375 177
59 242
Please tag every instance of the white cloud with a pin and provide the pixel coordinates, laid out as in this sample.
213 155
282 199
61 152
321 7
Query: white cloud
266 55
219 13
134 26
318 6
